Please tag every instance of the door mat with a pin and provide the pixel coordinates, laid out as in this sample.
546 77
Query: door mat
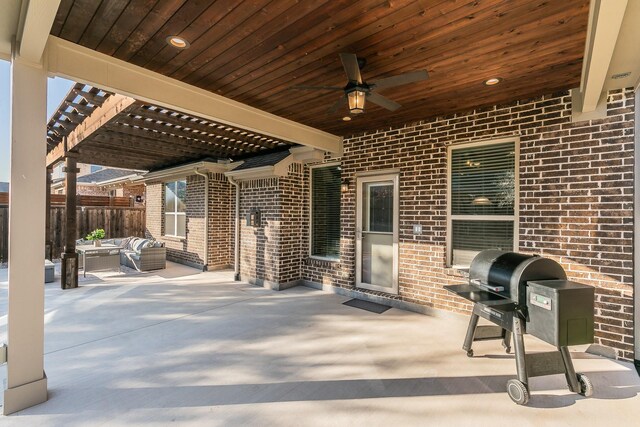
367 305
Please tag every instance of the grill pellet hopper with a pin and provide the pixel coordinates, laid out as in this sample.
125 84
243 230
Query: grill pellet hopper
521 294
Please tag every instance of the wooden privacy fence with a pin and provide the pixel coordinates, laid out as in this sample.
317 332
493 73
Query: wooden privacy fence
116 222
82 200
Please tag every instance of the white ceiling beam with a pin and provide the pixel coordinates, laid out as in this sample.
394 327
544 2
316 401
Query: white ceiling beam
34 27
74 62
9 19
605 20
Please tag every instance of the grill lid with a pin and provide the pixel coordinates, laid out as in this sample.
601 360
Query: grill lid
510 271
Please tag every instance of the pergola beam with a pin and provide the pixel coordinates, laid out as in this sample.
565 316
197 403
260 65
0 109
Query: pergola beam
216 146
170 146
69 60
102 115
195 127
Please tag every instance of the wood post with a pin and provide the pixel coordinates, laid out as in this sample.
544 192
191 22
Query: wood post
47 219
69 276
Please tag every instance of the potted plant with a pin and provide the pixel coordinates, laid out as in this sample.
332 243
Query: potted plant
96 235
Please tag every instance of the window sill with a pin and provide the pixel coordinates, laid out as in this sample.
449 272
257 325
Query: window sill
457 271
323 259
174 239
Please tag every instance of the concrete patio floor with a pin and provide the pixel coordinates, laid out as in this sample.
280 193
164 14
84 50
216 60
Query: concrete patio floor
193 349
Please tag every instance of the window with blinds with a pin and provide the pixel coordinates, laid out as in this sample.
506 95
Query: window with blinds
482 199
325 212
175 215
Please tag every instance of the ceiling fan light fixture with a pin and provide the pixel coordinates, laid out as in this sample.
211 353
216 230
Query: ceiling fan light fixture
356 99
492 81
481 201
346 118
178 42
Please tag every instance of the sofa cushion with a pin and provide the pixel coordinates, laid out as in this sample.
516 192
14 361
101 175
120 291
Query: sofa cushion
133 243
140 244
122 242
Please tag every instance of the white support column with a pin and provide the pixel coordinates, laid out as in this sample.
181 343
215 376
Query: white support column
26 380
636 234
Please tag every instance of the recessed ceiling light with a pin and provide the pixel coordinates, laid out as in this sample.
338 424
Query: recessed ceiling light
492 81
178 42
346 118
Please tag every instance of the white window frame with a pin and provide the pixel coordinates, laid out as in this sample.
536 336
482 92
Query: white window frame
175 213
516 203
310 248
367 177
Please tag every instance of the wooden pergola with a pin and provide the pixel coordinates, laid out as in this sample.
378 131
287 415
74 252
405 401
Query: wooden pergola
95 126
99 127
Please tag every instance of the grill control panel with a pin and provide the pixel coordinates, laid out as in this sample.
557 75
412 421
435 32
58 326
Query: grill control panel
540 301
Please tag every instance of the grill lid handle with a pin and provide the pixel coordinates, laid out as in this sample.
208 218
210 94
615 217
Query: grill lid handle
486 286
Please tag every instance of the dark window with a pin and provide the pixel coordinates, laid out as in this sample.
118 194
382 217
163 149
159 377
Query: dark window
483 193
325 212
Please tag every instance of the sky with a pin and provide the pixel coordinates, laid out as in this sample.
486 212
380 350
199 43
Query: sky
56 91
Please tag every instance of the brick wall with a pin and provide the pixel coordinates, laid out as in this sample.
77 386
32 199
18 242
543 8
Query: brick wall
576 189
190 249
221 225
259 245
132 191
273 252
291 248
154 210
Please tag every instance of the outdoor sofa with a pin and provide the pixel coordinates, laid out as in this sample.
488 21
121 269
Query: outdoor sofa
136 252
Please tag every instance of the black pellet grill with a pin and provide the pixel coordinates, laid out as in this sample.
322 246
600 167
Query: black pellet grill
529 294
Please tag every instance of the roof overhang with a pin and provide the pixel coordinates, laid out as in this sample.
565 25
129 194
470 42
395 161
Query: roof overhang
182 171
298 155
611 58
123 180
272 171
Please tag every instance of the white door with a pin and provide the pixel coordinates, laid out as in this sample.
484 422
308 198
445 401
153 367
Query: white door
377 203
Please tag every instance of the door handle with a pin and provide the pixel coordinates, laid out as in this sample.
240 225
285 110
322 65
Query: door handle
358 233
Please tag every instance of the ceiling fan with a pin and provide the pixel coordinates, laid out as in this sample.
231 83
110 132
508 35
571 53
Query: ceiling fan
357 90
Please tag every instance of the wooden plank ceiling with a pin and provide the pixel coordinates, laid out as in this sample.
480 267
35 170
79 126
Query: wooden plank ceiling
148 137
253 51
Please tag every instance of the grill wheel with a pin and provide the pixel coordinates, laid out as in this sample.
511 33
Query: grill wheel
518 392
586 388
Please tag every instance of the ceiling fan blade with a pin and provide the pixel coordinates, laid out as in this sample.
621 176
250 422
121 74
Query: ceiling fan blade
305 87
337 105
401 79
351 67
382 101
